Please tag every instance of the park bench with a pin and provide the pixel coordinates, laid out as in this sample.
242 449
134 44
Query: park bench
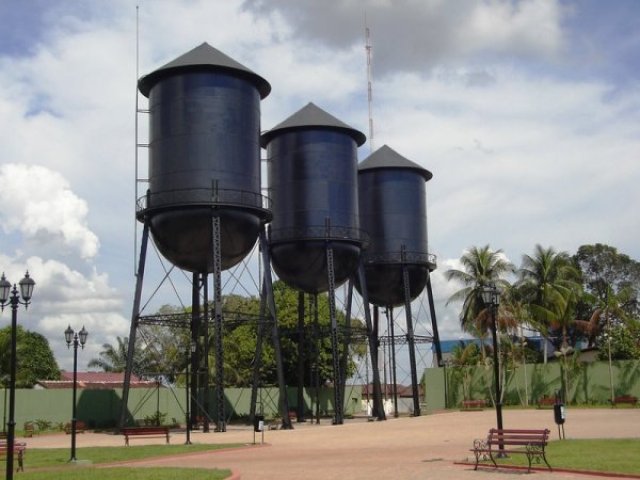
546 402
29 429
470 405
18 452
630 399
527 442
144 432
80 427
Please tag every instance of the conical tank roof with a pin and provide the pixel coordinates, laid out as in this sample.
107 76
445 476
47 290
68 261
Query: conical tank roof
386 157
203 58
310 117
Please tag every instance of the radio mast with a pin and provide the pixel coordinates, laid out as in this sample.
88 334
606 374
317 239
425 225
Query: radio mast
369 87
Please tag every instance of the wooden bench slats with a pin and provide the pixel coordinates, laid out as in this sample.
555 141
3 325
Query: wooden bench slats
468 405
630 399
18 448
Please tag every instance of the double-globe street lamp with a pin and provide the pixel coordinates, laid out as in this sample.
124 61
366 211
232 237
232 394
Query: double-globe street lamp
9 296
75 339
491 300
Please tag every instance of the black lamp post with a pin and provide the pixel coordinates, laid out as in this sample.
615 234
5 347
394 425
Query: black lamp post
75 339
4 410
491 300
9 296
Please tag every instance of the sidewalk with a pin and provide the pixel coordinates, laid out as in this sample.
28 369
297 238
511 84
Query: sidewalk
405 448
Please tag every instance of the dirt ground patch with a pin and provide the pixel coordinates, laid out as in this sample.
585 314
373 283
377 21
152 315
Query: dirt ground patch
404 448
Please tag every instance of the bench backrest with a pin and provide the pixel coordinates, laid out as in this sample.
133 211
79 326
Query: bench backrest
626 398
518 437
144 430
16 446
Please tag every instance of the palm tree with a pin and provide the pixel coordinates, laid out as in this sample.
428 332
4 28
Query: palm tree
550 284
112 359
481 267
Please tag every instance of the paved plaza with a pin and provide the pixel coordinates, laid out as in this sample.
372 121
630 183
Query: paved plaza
425 447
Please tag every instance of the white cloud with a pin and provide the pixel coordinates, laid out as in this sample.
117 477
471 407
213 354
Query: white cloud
416 35
530 27
38 203
63 297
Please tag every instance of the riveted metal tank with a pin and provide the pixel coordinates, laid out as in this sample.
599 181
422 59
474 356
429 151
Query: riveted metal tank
393 213
204 158
312 177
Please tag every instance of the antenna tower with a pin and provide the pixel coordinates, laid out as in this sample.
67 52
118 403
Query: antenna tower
369 87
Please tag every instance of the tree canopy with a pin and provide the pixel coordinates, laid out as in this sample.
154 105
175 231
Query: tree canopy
34 358
162 349
480 268
592 295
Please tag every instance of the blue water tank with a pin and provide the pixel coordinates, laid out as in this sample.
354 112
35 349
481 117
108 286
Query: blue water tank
312 178
204 158
393 213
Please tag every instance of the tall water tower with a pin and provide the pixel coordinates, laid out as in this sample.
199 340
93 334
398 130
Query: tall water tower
397 263
204 207
315 238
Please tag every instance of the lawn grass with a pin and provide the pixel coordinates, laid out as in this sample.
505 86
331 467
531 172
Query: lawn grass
56 457
129 473
53 463
601 455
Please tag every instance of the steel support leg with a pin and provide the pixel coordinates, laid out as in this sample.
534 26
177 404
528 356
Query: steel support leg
434 323
392 360
301 359
195 348
257 360
344 359
221 423
410 336
315 368
275 334
204 378
378 408
135 314
335 347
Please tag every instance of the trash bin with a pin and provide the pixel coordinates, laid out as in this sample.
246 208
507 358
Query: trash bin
559 413
258 423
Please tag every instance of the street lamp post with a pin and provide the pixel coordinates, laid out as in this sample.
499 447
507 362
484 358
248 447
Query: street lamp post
75 339
9 296
4 410
491 299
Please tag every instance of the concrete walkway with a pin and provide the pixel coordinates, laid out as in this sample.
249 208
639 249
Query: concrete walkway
405 448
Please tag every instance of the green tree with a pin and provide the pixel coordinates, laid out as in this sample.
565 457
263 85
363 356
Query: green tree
114 358
111 359
624 341
241 336
609 275
34 358
464 359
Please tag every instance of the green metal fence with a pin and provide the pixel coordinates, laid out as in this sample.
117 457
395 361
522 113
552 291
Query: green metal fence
583 383
101 408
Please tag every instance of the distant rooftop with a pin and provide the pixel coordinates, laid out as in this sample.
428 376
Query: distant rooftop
95 381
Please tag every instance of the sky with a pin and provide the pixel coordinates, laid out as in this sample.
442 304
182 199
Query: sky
526 112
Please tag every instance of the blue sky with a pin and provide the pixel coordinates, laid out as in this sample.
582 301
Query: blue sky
526 112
